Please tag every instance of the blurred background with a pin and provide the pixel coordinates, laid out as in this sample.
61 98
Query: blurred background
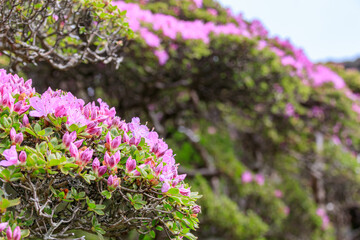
259 100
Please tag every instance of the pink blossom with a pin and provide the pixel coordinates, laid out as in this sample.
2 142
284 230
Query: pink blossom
11 157
246 177
162 56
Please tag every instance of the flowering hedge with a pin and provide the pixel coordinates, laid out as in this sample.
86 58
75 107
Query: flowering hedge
70 166
270 138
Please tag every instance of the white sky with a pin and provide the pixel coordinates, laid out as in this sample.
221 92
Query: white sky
325 29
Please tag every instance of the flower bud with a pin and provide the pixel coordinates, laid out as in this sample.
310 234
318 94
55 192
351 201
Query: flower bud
9 233
19 138
25 120
113 181
17 233
18 106
134 141
111 162
66 140
86 155
117 157
96 165
108 138
116 142
73 136
78 143
12 134
91 125
130 164
125 138
74 151
22 157
196 209
102 170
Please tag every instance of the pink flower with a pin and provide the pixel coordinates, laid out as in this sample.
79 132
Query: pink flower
3 226
11 157
165 187
246 177
184 191
162 56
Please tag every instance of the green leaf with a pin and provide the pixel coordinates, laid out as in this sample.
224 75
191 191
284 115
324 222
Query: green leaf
37 128
106 194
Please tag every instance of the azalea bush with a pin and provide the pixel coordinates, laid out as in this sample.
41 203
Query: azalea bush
70 166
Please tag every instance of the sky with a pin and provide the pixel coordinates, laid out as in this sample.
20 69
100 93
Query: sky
325 29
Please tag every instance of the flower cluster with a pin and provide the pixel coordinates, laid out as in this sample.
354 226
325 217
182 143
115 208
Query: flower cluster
104 161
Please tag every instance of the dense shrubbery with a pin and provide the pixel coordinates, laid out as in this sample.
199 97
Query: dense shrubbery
74 166
269 138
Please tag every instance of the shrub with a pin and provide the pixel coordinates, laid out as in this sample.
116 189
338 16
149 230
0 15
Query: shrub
72 166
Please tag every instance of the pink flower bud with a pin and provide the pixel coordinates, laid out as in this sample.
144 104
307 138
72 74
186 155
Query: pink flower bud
66 140
96 165
78 143
196 209
19 138
135 141
17 233
9 233
22 157
111 162
102 170
91 125
73 136
74 151
116 142
130 164
117 157
25 120
18 106
106 158
125 138
108 138
165 187
95 131
12 134
113 181
86 155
